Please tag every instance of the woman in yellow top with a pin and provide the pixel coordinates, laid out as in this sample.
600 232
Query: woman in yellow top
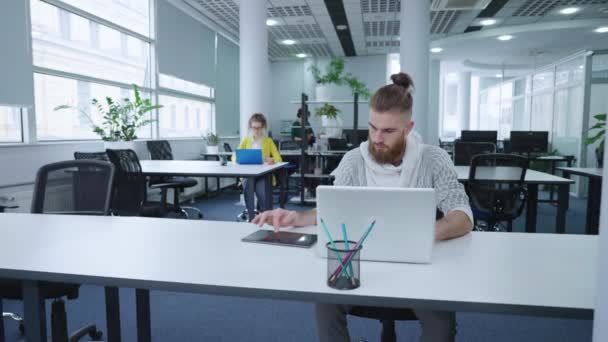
257 139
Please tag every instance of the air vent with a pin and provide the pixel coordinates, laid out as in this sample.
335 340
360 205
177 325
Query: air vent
457 5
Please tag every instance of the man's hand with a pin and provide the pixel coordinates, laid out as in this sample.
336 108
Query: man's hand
281 218
453 225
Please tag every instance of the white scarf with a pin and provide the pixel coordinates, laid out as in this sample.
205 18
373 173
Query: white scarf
385 174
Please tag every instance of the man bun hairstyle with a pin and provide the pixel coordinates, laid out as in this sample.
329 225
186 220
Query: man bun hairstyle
396 96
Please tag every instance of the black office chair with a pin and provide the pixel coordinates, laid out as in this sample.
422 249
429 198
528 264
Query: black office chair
464 151
227 148
386 315
130 194
103 156
497 200
161 150
77 187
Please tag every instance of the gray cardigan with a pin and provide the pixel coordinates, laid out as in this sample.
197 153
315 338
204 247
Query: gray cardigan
436 171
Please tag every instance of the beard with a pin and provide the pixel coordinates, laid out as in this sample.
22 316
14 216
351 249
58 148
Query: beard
387 154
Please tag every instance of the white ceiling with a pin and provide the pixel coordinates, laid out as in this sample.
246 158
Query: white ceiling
541 33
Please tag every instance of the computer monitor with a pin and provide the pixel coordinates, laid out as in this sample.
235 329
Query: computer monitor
479 136
350 137
529 141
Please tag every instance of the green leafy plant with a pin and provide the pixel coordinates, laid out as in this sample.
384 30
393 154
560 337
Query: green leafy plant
121 118
328 110
212 139
334 74
599 135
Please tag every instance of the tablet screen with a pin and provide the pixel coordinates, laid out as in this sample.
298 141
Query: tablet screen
282 238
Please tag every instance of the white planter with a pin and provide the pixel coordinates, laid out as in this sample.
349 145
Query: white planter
332 127
212 149
119 145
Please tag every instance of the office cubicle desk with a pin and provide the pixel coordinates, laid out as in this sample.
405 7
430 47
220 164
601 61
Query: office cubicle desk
203 168
513 273
592 221
533 180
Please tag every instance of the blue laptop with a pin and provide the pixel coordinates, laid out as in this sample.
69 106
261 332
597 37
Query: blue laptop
249 156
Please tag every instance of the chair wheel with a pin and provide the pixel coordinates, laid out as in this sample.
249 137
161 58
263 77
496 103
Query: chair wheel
21 328
96 335
200 216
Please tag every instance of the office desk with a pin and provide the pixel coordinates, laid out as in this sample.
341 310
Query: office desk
592 221
513 273
533 180
203 168
553 160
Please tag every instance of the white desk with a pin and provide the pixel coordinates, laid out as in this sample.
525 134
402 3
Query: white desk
204 168
533 180
528 274
594 199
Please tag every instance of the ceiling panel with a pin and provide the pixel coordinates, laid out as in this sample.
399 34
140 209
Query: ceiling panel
374 24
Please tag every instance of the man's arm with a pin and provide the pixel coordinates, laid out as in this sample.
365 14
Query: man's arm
455 224
280 218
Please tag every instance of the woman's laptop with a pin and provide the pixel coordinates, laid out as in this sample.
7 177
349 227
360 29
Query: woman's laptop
249 156
405 221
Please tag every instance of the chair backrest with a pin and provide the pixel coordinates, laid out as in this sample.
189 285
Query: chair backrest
227 147
289 145
496 184
465 151
159 150
91 156
73 187
129 183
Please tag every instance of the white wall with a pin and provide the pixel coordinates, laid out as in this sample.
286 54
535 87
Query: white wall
290 79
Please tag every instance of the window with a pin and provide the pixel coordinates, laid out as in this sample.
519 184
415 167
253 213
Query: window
132 14
174 83
75 123
175 119
76 45
10 125
76 58
188 108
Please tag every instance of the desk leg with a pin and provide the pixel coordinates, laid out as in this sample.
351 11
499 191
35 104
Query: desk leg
34 312
566 174
531 210
552 187
142 302
268 191
112 314
249 194
592 223
282 187
563 193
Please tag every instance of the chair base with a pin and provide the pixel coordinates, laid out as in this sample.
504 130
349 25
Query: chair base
197 211
15 318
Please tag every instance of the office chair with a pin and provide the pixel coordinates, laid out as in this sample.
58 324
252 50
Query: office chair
496 201
91 156
130 195
388 316
161 150
77 187
464 151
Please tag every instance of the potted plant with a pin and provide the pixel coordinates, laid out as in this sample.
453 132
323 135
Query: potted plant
121 118
330 120
334 74
212 141
600 127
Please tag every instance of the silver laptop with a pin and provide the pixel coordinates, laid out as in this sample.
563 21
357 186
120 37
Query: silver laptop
405 221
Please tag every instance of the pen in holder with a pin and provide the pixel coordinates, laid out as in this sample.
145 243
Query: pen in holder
346 260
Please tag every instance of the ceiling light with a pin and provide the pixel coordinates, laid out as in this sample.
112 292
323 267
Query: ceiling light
36 34
301 55
498 75
487 22
436 50
271 22
288 42
602 29
341 27
569 10
505 37
581 67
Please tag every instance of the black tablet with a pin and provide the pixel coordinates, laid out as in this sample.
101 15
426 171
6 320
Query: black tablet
282 238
